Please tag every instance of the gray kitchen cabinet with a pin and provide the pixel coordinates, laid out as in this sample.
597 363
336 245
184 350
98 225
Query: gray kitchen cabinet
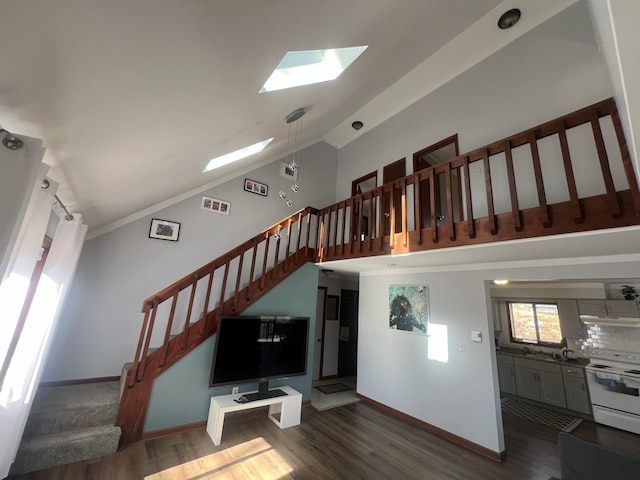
608 308
540 381
570 324
575 389
506 374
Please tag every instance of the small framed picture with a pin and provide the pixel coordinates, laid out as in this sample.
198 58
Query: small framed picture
164 230
288 172
215 205
256 187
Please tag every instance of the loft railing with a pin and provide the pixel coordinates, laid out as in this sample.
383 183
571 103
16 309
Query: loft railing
183 315
535 183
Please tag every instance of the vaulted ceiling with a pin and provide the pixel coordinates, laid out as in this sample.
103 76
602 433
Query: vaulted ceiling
133 98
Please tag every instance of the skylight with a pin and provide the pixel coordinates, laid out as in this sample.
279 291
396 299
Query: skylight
311 66
237 155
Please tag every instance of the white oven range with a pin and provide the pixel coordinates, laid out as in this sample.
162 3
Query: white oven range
614 387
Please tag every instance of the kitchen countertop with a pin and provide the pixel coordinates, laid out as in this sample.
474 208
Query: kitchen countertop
541 357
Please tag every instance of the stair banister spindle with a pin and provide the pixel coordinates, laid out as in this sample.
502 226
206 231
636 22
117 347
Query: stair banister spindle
491 213
147 341
167 333
225 276
133 373
238 278
298 233
471 225
432 202
206 300
513 190
265 258
288 250
403 199
187 320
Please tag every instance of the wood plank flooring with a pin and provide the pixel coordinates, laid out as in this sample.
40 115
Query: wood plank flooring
354 441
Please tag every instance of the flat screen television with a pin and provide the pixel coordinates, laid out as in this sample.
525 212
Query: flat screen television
259 349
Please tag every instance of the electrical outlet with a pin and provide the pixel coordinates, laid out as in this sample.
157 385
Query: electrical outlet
461 347
235 390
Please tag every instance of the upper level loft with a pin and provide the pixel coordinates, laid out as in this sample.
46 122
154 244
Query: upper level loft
571 174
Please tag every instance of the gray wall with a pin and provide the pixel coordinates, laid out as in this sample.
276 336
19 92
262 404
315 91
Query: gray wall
101 322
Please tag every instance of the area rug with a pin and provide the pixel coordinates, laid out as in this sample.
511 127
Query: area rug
536 414
333 388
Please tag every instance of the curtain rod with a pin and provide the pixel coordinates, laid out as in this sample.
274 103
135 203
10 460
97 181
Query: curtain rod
69 215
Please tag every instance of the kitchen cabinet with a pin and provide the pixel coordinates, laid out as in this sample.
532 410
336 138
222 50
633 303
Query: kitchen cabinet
540 381
569 314
608 308
575 388
506 374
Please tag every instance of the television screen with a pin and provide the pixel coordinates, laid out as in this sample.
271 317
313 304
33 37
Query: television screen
250 349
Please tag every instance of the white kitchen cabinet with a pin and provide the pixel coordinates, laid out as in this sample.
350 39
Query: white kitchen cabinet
570 324
608 308
506 374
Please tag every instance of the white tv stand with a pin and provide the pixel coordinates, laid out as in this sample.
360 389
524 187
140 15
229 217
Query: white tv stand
287 408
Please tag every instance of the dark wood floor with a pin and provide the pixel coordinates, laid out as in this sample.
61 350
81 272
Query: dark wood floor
351 442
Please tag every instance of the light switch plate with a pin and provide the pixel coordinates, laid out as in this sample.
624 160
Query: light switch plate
476 336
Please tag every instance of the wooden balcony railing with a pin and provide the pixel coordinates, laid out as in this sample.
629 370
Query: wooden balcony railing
497 192
183 315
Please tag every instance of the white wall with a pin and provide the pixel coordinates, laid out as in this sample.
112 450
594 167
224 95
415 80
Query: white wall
461 395
551 71
101 323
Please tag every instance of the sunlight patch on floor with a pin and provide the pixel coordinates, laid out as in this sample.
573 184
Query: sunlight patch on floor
255 459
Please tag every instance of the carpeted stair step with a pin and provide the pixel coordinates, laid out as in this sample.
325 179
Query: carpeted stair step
73 407
45 451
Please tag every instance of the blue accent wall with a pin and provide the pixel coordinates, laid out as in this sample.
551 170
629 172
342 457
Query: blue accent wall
181 395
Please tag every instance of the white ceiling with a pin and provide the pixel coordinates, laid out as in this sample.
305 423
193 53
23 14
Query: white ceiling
133 98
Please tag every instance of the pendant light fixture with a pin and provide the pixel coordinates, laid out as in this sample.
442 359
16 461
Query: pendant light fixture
291 166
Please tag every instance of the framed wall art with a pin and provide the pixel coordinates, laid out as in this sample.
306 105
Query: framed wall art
215 205
164 230
409 308
256 187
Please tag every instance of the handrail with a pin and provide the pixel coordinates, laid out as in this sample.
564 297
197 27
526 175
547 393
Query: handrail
493 209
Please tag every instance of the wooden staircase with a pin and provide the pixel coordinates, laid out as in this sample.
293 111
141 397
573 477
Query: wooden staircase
259 264
482 208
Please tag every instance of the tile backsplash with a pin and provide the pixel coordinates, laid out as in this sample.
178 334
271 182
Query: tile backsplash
626 339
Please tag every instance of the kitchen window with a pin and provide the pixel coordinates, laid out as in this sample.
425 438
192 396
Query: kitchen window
535 323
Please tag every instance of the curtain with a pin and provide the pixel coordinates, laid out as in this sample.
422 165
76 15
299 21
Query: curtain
31 351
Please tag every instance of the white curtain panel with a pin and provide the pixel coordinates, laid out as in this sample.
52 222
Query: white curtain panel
31 351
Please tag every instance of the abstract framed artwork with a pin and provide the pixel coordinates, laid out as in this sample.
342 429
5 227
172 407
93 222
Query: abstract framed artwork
215 205
256 187
164 230
409 308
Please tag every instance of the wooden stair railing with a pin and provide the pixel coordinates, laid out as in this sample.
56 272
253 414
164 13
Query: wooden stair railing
257 265
490 209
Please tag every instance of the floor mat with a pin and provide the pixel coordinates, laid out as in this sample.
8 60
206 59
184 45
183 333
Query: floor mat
550 418
333 388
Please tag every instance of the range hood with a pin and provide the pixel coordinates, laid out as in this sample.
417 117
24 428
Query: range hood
610 321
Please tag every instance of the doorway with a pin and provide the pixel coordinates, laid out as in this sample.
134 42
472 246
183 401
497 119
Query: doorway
391 172
428 157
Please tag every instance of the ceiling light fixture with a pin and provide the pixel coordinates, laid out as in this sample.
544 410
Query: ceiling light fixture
501 282
10 141
290 169
509 18
237 155
357 125
311 66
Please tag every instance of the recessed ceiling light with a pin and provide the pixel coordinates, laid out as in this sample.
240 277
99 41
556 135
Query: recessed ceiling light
311 66
237 155
509 18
